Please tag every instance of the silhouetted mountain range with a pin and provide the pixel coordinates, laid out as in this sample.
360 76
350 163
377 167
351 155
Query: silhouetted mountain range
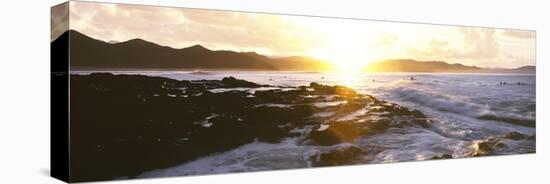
409 65
523 69
90 53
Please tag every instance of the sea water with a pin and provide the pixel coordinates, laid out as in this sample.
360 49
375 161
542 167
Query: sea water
466 109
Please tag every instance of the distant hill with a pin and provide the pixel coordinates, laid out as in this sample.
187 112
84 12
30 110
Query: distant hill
523 69
301 63
294 63
89 53
409 65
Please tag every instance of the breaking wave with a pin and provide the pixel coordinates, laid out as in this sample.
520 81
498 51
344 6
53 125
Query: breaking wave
423 94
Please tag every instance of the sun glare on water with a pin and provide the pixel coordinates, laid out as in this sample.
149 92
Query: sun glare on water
348 68
349 75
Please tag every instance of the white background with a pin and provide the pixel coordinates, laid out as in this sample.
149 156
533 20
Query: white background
24 91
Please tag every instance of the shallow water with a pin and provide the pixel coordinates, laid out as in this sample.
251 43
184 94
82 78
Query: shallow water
466 109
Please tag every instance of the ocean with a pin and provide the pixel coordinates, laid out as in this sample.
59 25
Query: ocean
466 109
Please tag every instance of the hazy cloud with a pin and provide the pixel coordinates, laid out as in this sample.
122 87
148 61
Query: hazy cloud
277 35
59 20
519 34
479 43
178 27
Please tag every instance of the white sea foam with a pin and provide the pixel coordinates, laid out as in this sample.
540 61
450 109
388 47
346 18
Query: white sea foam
323 127
442 102
206 122
324 114
274 105
354 115
329 104
255 156
456 101
249 90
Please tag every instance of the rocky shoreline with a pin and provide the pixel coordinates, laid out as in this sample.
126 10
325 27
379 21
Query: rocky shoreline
123 125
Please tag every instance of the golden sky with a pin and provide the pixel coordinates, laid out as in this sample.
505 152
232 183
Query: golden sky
343 41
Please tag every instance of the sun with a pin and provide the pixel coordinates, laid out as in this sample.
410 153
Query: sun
348 66
348 60
344 45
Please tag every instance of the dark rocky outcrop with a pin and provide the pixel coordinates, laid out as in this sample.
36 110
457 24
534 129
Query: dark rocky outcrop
339 155
488 147
444 156
373 121
515 121
123 125
515 136
232 82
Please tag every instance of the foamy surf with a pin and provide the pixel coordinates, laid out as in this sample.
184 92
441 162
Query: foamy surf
255 156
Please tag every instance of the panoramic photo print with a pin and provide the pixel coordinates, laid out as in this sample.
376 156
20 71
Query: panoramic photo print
164 91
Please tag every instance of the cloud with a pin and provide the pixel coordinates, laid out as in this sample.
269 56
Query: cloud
439 43
59 20
519 34
278 35
474 46
181 27
478 43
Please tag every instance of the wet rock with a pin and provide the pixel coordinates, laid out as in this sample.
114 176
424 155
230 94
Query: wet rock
335 134
444 156
347 131
422 122
337 156
378 124
339 90
488 147
515 121
403 111
515 136
417 113
232 82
